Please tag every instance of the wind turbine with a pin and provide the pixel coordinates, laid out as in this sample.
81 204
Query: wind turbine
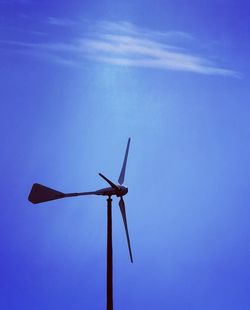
40 193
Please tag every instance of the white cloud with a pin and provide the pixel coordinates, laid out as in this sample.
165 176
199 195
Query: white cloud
124 27
127 45
61 22
124 44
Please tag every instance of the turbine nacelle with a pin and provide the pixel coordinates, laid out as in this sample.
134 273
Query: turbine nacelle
111 191
123 191
114 189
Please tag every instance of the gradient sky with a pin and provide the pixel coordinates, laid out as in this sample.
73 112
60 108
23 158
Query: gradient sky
77 79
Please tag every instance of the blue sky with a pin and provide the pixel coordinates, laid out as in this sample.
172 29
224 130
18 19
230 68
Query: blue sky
77 79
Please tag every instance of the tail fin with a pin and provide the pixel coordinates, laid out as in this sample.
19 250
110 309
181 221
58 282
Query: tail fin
40 193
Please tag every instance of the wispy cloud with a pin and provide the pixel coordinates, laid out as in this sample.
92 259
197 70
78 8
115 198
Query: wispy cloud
128 28
61 22
124 44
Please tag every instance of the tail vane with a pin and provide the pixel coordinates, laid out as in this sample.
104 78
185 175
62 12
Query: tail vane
40 193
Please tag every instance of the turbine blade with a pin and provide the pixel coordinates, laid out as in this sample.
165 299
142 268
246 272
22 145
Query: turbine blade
123 212
109 182
40 193
123 170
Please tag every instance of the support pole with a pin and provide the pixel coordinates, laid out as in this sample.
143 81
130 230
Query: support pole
109 256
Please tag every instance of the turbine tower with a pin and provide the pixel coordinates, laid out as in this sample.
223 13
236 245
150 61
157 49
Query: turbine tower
40 193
